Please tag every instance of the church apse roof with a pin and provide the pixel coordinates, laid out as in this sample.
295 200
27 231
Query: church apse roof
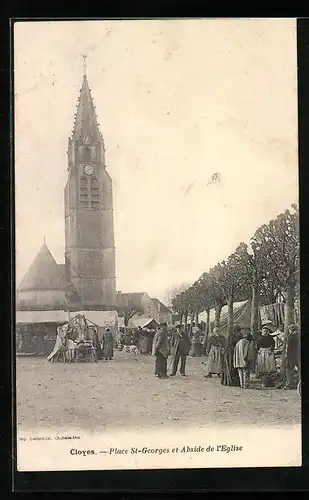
44 273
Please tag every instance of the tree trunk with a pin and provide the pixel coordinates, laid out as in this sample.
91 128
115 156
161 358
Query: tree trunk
186 318
207 326
191 321
230 315
208 321
255 311
288 320
196 318
218 315
180 318
289 307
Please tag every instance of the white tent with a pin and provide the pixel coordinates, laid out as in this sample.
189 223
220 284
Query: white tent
137 321
224 311
141 321
104 319
241 316
100 318
42 316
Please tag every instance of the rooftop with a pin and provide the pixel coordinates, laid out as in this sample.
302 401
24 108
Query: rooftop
44 273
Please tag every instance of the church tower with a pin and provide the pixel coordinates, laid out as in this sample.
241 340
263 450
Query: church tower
89 225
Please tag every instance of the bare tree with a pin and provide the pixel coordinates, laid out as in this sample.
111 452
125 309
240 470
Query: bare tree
230 276
216 292
173 292
180 306
282 237
202 289
253 263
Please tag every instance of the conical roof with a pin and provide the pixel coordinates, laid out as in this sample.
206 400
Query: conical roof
44 273
86 128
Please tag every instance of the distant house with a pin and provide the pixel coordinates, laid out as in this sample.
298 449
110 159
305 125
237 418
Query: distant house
140 302
165 314
144 306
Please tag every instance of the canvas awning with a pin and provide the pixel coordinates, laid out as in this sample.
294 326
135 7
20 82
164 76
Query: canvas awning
224 312
141 321
100 318
137 321
241 316
41 317
121 322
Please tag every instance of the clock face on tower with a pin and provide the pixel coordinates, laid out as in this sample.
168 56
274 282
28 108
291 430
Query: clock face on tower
88 169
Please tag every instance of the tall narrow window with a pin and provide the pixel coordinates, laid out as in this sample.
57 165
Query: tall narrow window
95 194
87 153
83 193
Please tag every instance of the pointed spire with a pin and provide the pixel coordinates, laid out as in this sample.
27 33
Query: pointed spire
85 64
86 128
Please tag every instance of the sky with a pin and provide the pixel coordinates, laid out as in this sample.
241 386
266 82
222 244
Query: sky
177 101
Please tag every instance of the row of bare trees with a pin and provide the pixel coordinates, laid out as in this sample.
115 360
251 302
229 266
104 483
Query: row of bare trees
265 270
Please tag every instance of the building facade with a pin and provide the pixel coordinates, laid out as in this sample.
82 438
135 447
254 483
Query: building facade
144 306
164 313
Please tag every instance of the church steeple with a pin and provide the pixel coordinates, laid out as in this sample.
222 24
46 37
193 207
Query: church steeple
86 128
89 224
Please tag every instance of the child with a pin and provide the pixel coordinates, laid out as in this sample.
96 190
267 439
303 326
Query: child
240 359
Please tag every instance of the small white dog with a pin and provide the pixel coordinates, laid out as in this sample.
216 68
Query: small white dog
131 348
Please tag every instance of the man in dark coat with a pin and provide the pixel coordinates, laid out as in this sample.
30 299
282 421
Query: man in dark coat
160 350
153 352
292 355
180 346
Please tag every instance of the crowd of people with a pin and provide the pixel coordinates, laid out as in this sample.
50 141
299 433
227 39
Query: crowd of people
235 358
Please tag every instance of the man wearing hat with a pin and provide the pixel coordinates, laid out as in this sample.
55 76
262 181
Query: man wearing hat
180 346
292 355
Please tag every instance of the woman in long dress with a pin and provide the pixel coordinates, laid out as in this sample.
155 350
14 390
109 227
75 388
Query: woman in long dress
108 344
229 374
266 364
215 351
144 341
